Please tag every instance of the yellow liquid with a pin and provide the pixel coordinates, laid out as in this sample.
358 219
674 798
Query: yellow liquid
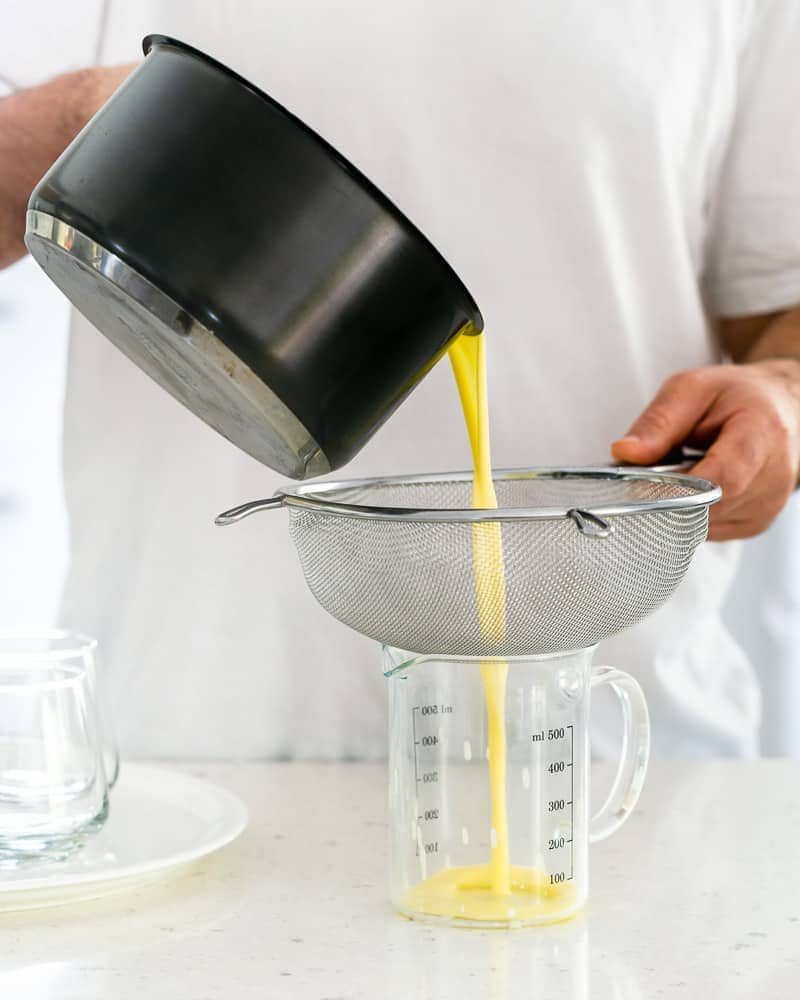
494 892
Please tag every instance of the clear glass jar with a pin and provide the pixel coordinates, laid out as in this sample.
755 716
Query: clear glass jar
57 764
505 845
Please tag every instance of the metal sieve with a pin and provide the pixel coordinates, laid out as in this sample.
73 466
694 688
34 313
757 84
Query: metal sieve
586 552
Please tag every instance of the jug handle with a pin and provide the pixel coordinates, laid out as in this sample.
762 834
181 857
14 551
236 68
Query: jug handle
628 781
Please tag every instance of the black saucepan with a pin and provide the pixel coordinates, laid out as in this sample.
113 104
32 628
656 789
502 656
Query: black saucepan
245 264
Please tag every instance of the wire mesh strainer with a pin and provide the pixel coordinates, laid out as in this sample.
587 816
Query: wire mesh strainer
586 553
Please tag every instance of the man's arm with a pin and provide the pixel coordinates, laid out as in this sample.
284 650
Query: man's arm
748 412
35 127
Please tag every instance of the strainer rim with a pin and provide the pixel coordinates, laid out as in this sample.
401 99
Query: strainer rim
310 496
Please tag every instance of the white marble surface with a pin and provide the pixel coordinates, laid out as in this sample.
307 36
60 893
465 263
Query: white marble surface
697 897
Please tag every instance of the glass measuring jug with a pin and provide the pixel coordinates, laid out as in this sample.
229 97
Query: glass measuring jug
443 812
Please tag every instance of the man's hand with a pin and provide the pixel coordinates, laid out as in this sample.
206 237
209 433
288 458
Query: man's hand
746 414
751 413
35 127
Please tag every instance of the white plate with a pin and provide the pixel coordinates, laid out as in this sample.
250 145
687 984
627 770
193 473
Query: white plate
158 819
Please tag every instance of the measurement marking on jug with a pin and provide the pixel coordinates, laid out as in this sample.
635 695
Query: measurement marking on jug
414 737
435 709
415 709
560 841
430 741
572 800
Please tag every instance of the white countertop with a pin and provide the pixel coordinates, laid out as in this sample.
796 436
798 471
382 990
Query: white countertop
698 896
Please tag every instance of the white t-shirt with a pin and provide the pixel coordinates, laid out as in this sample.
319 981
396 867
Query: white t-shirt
598 175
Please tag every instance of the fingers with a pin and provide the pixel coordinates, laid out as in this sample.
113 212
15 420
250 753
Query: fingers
736 457
744 519
733 529
681 403
746 463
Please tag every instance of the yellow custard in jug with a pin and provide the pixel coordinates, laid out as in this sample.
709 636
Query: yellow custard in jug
496 891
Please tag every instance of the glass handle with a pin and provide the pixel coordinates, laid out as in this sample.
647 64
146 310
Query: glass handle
632 768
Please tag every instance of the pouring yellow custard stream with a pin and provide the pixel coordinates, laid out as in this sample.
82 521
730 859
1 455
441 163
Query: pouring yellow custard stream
496 891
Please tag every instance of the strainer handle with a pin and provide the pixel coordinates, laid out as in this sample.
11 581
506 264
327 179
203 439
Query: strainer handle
246 509
632 768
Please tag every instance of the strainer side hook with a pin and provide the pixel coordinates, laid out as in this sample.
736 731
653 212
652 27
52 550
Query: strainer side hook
246 509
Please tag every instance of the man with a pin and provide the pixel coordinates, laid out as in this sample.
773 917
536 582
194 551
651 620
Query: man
618 187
